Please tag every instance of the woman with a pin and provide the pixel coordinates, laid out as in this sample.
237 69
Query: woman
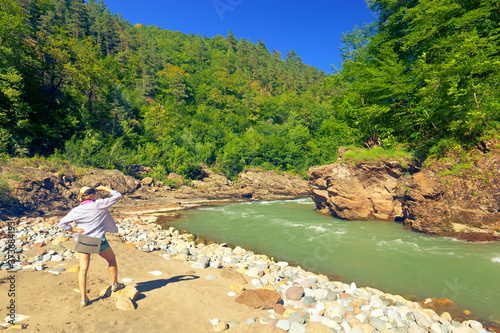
93 219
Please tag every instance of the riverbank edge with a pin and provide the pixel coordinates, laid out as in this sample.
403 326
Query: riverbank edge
168 221
140 217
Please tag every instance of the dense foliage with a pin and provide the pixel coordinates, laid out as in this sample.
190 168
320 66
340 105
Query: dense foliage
426 74
80 82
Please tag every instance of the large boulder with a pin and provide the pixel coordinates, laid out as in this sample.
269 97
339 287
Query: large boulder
458 195
210 180
259 298
365 191
112 178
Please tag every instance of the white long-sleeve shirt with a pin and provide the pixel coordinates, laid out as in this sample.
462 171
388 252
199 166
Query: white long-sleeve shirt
93 217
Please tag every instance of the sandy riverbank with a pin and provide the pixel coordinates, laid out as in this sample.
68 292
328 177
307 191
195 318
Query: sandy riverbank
179 300
186 297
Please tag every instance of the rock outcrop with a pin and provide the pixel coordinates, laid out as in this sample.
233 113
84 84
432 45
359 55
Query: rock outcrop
40 187
270 185
366 191
458 195
251 184
454 196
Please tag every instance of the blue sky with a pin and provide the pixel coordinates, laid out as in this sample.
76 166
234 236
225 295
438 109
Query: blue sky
312 28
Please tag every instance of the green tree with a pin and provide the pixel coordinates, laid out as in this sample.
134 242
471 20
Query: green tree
14 111
73 74
428 73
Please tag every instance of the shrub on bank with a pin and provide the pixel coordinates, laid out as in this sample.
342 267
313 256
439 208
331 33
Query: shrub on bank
359 155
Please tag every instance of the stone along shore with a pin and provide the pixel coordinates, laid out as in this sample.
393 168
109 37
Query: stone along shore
291 299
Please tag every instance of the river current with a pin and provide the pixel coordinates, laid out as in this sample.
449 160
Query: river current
376 254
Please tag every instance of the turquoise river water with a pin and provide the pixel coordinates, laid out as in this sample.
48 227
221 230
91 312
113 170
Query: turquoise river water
377 254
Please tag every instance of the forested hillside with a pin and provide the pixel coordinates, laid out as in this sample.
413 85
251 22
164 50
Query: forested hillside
80 83
426 74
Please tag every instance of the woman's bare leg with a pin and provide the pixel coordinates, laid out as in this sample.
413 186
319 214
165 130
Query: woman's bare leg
109 255
82 274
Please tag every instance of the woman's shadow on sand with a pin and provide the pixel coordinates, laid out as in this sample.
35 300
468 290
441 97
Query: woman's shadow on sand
146 286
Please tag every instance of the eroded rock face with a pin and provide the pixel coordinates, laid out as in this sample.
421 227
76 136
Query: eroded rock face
359 192
458 197
37 187
452 197
424 208
264 184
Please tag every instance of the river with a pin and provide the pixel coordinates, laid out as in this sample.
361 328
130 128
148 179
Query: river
376 254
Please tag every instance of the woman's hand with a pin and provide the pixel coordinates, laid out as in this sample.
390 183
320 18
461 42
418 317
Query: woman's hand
77 230
103 188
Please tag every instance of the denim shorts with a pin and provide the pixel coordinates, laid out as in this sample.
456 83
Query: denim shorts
104 244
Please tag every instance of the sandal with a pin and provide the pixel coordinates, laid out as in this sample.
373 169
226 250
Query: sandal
117 287
84 302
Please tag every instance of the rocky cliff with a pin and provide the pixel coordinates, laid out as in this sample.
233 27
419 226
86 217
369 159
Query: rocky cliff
457 195
38 187
366 191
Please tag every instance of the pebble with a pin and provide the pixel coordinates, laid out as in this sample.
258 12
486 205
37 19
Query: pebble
72 269
377 313
294 293
308 299
283 324
435 328
422 320
296 318
57 258
379 324
345 326
56 270
297 328
220 326
250 321
255 282
315 318
216 264
357 329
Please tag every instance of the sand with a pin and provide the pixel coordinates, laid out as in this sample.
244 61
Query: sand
179 300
